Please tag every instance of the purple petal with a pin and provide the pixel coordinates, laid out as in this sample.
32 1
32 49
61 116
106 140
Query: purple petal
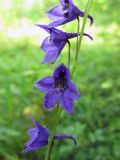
38 139
61 22
57 34
33 132
29 142
63 136
45 84
54 33
48 45
52 49
67 104
72 92
40 128
45 27
51 99
61 68
56 13
34 147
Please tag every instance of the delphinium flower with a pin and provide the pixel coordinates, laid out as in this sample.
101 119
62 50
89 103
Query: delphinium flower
59 89
65 12
53 44
39 137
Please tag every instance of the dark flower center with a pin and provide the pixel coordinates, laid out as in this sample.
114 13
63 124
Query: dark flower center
65 8
66 15
66 1
39 133
61 82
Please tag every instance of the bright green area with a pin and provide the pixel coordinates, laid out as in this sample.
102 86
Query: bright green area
95 123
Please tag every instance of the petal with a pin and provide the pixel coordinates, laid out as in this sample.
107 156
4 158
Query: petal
51 99
50 57
45 27
67 104
40 139
29 142
52 49
45 84
61 21
34 147
62 68
56 13
48 45
72 92
63 136
40 128
33 132
57 34
37 142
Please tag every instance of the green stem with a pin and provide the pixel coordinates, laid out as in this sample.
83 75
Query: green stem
51 138
83 26
81 34
69 55
78 31
77 40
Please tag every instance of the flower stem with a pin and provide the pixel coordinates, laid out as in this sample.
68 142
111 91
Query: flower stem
69 55
78 31
79 41
51 138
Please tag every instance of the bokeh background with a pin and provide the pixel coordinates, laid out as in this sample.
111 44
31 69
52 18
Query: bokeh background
96 122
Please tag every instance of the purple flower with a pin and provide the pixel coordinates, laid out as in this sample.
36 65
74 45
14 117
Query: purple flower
64 13
53 44
59 89
39 137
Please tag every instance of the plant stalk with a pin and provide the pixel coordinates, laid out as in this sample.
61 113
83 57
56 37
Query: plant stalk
51 138
69 54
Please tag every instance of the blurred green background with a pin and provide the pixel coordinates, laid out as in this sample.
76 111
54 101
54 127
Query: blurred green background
96 122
